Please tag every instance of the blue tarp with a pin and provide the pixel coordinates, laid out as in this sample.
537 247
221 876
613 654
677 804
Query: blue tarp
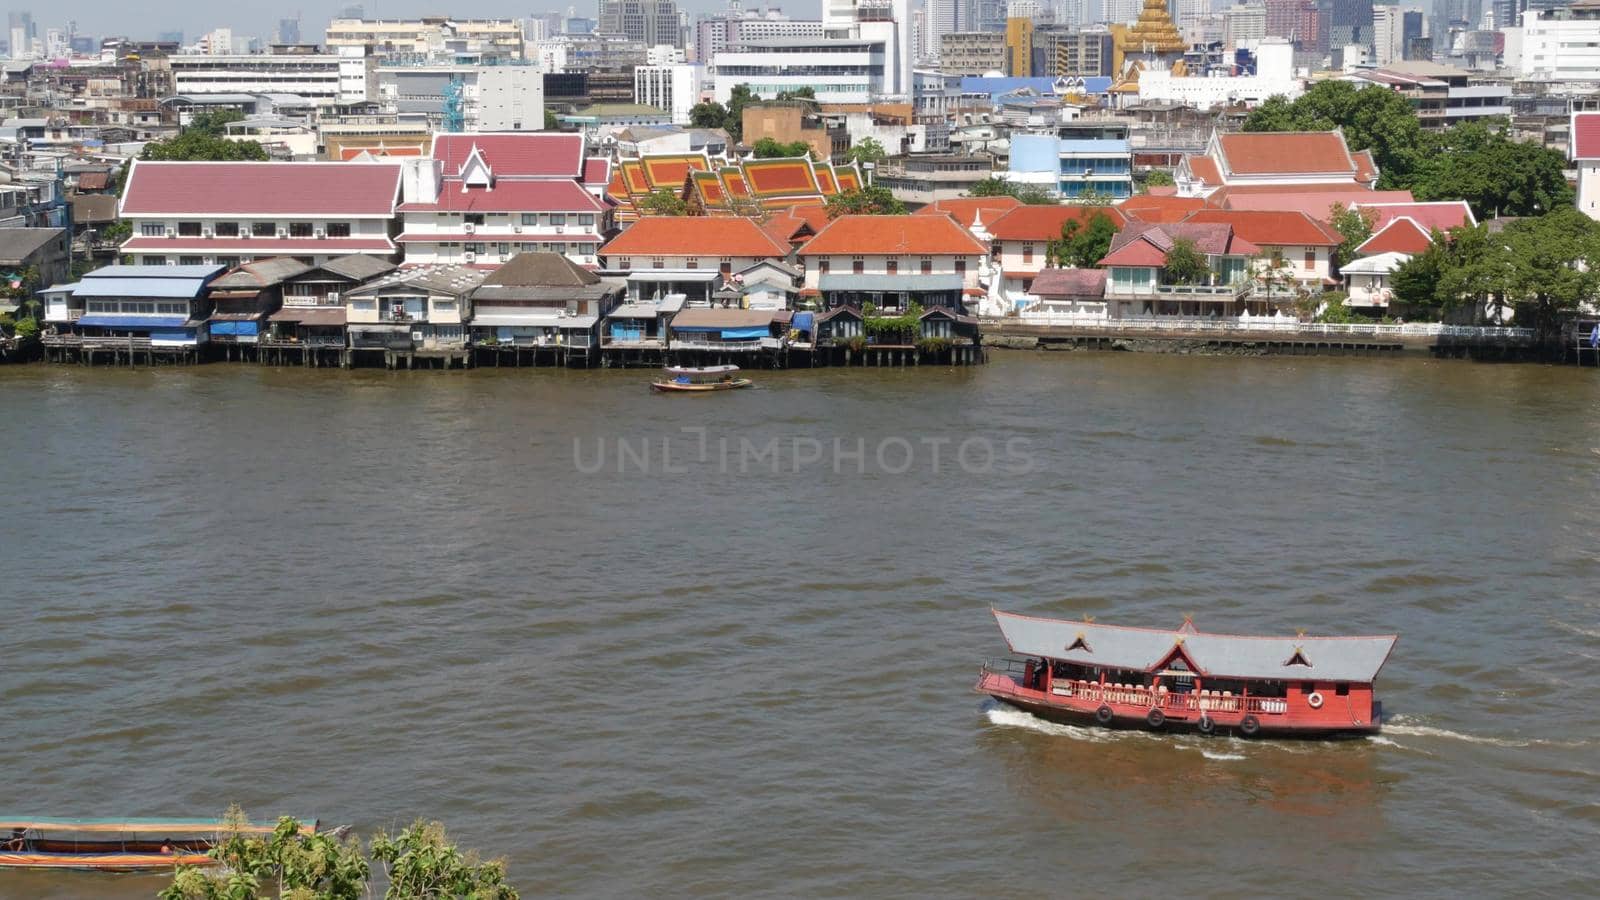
744 334
803 321
179 335
246 328
134 322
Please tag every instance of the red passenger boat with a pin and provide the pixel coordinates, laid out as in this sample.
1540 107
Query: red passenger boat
1187 680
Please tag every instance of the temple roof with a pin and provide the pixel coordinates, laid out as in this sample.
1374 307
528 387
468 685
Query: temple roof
1154 31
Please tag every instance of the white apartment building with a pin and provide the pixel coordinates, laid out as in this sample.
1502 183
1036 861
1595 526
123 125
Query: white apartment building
429 37
887 22
1244 25
1552 49
491 98
1388 34
322 77
674 88
838 70
1274 75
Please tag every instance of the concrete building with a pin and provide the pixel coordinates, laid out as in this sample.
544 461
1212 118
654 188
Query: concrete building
674 88
972 53
465 97
1274 75
1388 34
1084 54
650 21
731 30
321 77
1557 45
839 70
1072 168
1443 95
1297 20
1019 47
1244 25
886 22
430 37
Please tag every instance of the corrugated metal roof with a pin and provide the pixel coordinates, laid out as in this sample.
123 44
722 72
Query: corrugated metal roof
171 288
1355 659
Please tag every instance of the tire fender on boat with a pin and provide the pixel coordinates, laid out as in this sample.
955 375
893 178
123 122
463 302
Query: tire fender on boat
1315 700
1249 726
1206 725
1155 718
1104 715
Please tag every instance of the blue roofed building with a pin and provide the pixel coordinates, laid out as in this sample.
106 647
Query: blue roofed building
1072 168
151 311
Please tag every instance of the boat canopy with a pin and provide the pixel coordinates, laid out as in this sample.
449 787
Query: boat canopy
1353 659
706 370
140 826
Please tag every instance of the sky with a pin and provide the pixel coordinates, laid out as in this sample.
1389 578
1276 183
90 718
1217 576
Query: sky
147 18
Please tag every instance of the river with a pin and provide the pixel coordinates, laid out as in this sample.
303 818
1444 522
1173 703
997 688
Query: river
744 667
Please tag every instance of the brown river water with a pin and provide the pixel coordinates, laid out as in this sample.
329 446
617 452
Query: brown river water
744 668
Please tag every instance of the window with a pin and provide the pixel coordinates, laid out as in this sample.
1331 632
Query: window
300 229
227 229
530 218
263 229
338 229
822 267
444 305
152 229
1308 687
692 263
155 260
191 261
558 218
473 218
961 267
172 309
657 262
1342 689
229 261
189 229
926 266
505 249
586 220
473 247
857 265
726 265
1027 253
892 267
624 262
1311 260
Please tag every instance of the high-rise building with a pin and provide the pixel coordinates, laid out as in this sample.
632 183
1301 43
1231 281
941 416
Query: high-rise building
1084 53
986 15
1411 30
23 33
1296 20
1121 12
1388 34
289 31
972 52
674 88
1244 25
876 21
1346 22
651 21
1019 47
943 17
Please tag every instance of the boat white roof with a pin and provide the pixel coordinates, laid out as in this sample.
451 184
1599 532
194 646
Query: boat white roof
1355 659
705 370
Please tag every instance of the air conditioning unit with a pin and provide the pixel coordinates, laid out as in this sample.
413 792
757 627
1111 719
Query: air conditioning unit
172 232
471 256
283 232
321 234
172 262
517 228
208 233
333 296
561 229
505 257
470 228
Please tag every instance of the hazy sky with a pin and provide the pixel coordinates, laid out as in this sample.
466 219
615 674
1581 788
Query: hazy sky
145 18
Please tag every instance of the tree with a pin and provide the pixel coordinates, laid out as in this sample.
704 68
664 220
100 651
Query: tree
1030 194
1496 174
805 93
663 202
768 148
1416 282
867 150
741 97
551 123
419 863
873 201
1083 245
1372 118
1158 178
1185 263
1033 195
1551 266
708 114
204 139
991 187
1354 226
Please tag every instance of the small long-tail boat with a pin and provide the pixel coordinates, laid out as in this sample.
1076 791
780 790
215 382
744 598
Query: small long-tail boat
1184 679
117 845
706 379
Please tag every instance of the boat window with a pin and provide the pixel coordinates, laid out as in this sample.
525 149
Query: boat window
1307 687
1341 690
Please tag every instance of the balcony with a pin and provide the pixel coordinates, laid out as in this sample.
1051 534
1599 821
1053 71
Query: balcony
1202 293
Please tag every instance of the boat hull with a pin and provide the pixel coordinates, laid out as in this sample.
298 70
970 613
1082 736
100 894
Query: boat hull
669 387
1088 711
103 862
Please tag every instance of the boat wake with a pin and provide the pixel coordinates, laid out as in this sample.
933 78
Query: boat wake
1010 717
1428 731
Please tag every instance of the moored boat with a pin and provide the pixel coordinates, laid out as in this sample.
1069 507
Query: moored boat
690 380
117 845
1187 680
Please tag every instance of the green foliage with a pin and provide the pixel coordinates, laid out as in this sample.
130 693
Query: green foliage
1030 194
118 231
1354 226
1034 195
1334 309
1498 176
901 329
991 187
1158 178
730 118
805 93
1415 283
201 146
1185 263
856 343
421 863
1373 118
867 150
1082 246
551 121
663 203
214 122
708 114
934 345
768 148
874 201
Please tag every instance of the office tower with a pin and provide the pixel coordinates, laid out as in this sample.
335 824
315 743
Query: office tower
650 21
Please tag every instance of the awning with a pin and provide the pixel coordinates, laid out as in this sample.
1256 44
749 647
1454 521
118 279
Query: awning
889 283
236 317
133 321
328 315
234 327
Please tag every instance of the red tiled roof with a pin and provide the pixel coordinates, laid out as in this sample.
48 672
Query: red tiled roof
230 246
1271 228
1317 203
1402 235
1211 238
695 236
542 195
733 180
919 235
849 180
1160 209
1205 169
1043 223
1137 252
1441 214
710 187
781 176
1586 135
596 170
522 154
1070 283
1286 153
962 209
261 189
669 172
825 179
1366 166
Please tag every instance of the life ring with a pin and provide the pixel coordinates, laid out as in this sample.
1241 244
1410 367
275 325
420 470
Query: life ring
1155 718
1206 725
1315 700
1104 715
1249 726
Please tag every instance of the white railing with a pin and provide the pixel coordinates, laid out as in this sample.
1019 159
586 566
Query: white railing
729 346
1262 324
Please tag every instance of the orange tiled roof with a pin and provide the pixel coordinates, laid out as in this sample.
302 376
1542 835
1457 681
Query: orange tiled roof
917 235
668 171
825 180
733 182
633 177
964 209
849 180
1366 166
1272 228
695 236
1286 153
780 177
710 189
1160 209
1402 235
1044 223
1205 169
